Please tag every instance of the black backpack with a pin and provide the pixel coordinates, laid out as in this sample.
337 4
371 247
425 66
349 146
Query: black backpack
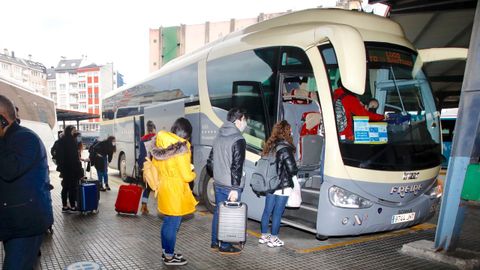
92 153
53 151
340 115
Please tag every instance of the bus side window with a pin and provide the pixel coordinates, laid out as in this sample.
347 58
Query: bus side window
238 80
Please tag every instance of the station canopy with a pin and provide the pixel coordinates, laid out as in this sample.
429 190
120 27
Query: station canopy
437 24
67 115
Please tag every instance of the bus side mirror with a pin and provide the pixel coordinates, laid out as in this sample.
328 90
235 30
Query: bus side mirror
351 55
436 55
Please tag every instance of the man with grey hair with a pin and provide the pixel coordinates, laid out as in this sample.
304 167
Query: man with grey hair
25 202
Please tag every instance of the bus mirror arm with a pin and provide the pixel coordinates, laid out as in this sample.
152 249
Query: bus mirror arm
436 55
351 55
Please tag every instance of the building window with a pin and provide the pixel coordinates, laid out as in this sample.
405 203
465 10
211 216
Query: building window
63 86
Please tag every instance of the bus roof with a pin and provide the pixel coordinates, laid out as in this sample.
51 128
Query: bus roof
366 24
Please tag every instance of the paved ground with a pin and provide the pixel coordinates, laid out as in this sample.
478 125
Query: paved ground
133 242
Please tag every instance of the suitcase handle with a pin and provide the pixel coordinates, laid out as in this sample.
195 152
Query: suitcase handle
229 203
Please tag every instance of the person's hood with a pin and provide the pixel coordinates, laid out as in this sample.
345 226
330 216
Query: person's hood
169 145
228 129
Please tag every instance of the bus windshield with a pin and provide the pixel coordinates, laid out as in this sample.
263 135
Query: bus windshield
409 136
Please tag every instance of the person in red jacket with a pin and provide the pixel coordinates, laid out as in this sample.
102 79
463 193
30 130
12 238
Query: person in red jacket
352 107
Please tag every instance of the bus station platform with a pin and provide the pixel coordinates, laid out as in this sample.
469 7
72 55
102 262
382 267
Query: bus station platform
113 241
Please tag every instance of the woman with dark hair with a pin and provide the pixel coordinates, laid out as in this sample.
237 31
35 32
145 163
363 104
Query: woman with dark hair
78 138
279 144
68 162
171 157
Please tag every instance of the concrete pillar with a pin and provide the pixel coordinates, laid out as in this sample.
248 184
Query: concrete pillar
465 147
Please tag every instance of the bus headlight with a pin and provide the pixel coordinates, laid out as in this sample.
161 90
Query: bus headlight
343 198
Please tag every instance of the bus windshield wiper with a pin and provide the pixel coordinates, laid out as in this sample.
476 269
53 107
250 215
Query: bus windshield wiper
404 112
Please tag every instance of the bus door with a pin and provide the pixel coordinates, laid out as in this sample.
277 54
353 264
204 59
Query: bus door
258 128
299 105
139 131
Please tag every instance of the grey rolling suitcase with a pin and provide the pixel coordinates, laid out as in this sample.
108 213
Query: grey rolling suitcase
232 222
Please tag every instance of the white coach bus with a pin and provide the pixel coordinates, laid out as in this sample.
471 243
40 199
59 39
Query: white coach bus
384 179
36 112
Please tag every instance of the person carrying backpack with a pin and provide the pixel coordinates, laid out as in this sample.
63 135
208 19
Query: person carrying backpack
53 150
70 168
279 145
100 156
346 106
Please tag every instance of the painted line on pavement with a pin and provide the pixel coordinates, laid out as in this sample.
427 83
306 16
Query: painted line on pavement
420 227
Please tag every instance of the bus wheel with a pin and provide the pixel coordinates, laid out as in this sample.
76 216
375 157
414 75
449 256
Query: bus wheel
122 167
208 193
321 237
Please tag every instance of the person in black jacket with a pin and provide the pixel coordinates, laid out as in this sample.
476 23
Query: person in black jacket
102 155
225 162
25 202
70 168
279 144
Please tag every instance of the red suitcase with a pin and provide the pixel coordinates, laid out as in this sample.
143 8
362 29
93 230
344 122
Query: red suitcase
128 199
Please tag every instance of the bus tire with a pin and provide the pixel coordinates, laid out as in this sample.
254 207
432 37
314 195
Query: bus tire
321 237
122 167
207 195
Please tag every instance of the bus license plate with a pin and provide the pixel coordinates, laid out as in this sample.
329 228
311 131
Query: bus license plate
403 218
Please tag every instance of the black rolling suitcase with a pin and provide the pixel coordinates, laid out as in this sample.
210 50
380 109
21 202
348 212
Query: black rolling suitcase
232 223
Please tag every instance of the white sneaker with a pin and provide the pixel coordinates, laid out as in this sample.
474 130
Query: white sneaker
264 239
275 242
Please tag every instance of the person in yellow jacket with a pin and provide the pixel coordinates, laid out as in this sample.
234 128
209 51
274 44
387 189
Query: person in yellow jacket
171 157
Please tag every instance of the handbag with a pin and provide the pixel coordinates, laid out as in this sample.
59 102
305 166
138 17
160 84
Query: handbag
295 198
150 175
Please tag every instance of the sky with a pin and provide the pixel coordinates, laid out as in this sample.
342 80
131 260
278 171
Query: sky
115 31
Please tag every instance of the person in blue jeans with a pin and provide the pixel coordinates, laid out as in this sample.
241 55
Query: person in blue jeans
280 145
225 164
146 146
101 156
171 157
25 203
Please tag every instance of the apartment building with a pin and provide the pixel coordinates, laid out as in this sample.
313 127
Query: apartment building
24 71
167 43
74 85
